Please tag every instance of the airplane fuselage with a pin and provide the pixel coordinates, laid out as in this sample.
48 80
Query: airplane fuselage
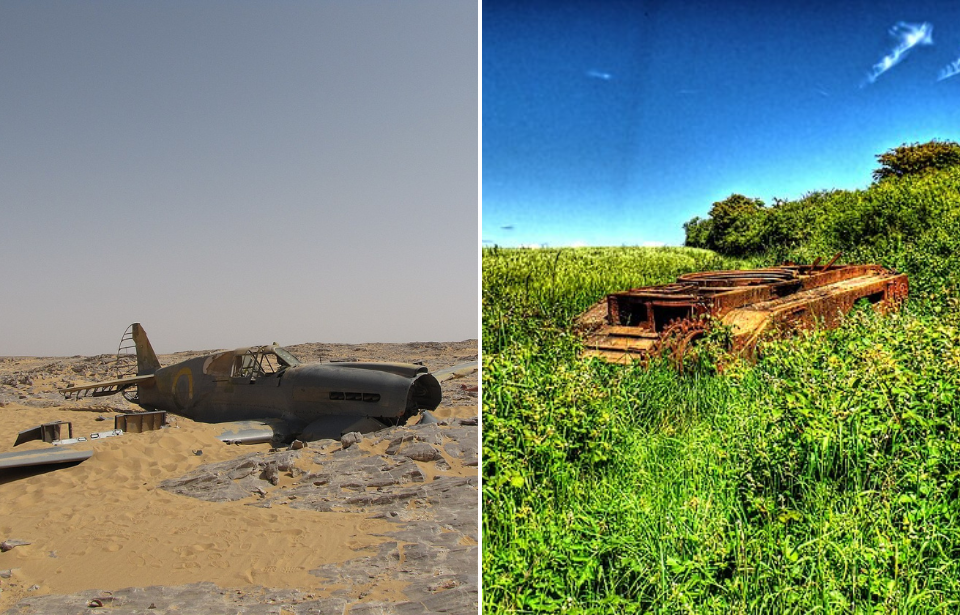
220 388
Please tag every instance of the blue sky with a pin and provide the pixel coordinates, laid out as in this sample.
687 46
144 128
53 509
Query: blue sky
612 123
236 173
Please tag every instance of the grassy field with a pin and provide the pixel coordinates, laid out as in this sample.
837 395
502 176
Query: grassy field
823 479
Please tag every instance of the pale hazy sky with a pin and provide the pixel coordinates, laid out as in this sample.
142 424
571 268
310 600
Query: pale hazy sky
237 173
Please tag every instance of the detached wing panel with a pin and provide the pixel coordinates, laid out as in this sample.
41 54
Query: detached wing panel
101 389
456 371
22 459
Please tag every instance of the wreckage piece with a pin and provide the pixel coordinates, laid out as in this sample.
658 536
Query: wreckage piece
51 456
94 436
139 422
261 383
669 319
456 371
47 432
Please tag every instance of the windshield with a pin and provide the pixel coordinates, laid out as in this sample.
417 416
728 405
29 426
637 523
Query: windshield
285 358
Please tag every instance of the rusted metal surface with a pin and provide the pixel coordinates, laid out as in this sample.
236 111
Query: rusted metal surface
140 422
635 324
48 432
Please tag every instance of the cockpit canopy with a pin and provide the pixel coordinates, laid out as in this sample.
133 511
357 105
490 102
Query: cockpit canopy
251 362
261 361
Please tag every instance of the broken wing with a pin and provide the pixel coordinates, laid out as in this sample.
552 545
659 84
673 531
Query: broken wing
101 389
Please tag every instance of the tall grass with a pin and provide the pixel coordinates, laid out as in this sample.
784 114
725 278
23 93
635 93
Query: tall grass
822 479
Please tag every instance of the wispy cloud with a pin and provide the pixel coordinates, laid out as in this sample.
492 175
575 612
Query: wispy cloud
908 36
596 74
507 227
949 70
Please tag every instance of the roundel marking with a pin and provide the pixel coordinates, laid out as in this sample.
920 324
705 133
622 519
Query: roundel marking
178 396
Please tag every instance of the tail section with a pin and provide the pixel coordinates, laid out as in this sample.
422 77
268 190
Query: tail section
147 362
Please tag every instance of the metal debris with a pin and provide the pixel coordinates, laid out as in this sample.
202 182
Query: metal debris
48 432
12 543
669 319
138 422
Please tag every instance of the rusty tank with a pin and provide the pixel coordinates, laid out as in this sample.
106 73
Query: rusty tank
669 319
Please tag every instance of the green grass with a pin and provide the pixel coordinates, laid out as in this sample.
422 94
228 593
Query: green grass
823 479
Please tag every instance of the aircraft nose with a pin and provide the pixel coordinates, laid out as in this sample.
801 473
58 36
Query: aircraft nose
424 393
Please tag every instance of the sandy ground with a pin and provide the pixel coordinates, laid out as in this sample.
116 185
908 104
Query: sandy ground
104 523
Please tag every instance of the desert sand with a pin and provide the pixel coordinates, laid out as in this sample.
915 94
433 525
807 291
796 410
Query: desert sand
106 524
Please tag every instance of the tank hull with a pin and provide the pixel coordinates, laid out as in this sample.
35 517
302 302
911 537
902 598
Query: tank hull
641 322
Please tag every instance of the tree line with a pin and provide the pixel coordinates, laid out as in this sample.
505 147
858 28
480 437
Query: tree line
915 186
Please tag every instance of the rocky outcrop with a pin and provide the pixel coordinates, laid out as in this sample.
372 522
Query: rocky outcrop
433 550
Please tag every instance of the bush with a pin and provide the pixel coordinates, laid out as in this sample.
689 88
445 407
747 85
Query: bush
917 158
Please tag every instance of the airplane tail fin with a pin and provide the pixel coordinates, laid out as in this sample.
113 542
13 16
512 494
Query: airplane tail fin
147 362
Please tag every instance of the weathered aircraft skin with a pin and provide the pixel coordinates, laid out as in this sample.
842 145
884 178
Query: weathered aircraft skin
267 383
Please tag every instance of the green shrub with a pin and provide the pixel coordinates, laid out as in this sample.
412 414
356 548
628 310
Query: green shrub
917 158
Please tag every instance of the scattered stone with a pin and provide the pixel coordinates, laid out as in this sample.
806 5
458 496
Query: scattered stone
6 574
442 585
11 543
348 440
296 445
246 468
419 451
432 553
286 461
271 473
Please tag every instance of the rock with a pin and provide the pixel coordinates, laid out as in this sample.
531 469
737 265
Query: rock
419 451
271 473
296 445
191 599
216 483
11 543
6 574
246 468
432 553
286 461
348 440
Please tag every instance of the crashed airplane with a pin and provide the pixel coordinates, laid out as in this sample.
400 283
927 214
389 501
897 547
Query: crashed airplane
264 393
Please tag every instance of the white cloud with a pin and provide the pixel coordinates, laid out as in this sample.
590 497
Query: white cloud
908 35
949 70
